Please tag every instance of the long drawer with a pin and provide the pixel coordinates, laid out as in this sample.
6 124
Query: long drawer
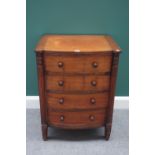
77 83
78 101
78 64
77 120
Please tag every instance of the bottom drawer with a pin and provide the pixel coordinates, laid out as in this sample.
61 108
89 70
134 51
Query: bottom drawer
77 120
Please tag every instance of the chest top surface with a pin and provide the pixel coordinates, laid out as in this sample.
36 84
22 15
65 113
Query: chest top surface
77 43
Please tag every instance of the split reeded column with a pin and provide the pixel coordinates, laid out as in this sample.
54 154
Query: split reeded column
41 85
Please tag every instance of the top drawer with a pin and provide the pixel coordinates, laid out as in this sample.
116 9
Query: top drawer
78 64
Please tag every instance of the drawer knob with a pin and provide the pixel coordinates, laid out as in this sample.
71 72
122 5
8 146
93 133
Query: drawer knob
61 83
62 118
61 100
92 118
94 64
60 64
93 83
92 100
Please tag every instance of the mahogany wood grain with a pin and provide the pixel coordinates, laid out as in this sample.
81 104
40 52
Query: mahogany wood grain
78 83
42 97
73 43
77 120
113 44
78 64
77 102
114 69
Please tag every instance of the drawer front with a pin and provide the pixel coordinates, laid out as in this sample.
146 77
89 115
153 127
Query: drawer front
76 102
77 83
78 64
75 120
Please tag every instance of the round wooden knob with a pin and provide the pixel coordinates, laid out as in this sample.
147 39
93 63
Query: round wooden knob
94 64
60 64
92 118
61 83
61 100
93 83
62 118
92 100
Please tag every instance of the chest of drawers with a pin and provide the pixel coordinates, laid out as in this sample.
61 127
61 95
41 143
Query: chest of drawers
76 78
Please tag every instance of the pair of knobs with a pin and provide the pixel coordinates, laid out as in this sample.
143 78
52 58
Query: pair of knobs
92 100
91 117
61 64
61 83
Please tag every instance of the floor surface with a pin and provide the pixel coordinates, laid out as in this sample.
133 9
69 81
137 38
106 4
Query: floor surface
77 142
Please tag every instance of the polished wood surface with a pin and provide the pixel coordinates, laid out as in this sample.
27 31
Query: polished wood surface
77 78
73 102
77 120
84 64
76 43
42 98
111 96
77 83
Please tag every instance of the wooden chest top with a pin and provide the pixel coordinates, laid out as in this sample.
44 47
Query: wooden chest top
77 43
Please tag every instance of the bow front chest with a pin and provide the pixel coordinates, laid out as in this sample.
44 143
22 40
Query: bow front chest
76 78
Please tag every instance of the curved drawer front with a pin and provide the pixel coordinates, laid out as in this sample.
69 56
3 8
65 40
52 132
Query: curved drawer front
77 102
78 64
77 120
77 83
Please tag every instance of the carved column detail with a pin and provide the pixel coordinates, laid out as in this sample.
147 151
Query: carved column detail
41 85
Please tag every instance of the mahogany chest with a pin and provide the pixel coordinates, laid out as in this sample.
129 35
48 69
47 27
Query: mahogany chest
76 78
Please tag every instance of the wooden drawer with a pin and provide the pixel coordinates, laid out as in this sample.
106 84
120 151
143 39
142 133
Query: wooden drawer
76 102
77 120
78 64
77 83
